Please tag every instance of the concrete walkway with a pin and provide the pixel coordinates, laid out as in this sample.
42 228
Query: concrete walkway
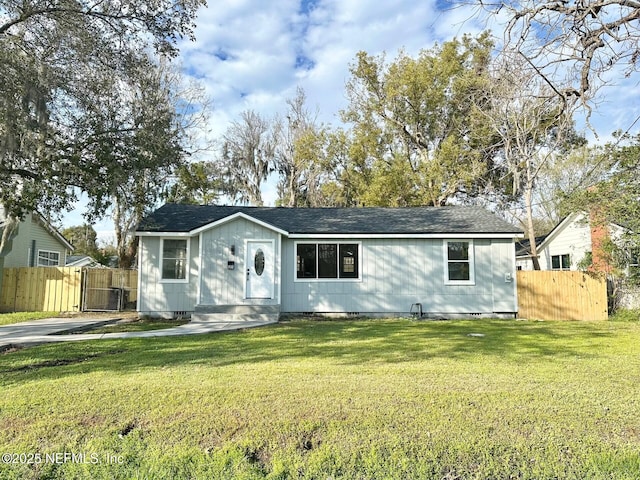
40 331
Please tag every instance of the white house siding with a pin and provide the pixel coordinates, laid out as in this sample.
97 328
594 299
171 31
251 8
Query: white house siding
163 298
21 252
220 285
573 239
524 264
397 273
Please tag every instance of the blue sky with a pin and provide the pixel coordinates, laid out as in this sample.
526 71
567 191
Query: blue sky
252 54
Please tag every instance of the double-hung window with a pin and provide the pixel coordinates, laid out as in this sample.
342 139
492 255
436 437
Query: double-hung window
561 262
327 261
459 268
174 259
48 259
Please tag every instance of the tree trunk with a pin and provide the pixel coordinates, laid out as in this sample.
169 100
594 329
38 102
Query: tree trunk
11 223
531 234
126 251
292 190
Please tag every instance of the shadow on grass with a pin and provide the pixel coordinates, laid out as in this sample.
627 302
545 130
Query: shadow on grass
353 342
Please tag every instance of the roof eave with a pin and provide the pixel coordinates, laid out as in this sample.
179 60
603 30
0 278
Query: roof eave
407 235
210 225
297 236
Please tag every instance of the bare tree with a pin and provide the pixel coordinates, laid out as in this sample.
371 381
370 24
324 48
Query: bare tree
533 126
298 154
572 44
248 157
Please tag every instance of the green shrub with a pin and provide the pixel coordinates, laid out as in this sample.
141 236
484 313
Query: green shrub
625 315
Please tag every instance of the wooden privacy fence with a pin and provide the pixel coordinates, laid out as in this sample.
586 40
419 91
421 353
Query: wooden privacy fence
109 289
553 295
67 289
41 289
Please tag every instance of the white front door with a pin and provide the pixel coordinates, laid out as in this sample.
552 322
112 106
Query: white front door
260 269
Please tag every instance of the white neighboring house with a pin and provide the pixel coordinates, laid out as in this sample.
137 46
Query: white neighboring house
83 261
569 244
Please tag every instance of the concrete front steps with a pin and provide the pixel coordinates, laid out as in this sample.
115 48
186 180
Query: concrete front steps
236 313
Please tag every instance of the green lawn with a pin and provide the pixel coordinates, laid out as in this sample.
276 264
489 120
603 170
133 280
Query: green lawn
11 318
366 399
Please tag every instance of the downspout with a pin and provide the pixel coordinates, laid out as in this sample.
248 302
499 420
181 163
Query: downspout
279 275
32 256
200 261
141 247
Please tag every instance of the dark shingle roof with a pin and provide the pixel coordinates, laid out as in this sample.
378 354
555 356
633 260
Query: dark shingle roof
414 220
523 246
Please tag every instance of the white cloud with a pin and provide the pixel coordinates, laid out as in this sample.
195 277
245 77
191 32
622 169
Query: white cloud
251 54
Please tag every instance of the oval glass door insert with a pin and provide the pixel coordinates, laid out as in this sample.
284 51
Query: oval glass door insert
258 262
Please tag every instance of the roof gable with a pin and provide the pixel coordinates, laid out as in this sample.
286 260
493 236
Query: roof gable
44 223
53 231
450 220
233 217
524 247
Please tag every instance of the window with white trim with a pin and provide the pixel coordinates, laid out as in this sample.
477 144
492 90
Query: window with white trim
327 261
174 259
458 256
48 259
561 262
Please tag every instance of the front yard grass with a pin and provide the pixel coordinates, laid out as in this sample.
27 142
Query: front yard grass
18 317
362 399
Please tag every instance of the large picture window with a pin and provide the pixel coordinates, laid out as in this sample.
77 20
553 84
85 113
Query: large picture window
459 262
175 255
329 261
48 259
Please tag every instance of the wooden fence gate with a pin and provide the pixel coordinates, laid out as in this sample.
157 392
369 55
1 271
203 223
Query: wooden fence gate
561 295
67 289
109 289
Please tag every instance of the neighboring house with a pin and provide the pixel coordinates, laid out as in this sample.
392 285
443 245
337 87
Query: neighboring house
569 246
371 261
35 243
82 261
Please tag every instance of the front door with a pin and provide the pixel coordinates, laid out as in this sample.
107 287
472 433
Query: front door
260 269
